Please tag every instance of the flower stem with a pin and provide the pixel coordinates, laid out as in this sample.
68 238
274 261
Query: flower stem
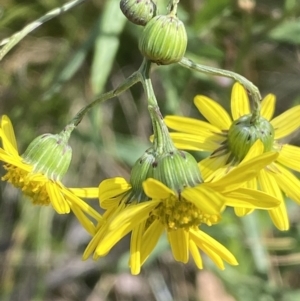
128 82
248 85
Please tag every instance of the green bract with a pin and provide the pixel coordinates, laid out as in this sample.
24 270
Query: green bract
50 154
164 40
141 171
245 131
139 12
177 170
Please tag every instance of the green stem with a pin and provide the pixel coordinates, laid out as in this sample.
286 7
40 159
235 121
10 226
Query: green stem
173 6
251 88
129 82
13 40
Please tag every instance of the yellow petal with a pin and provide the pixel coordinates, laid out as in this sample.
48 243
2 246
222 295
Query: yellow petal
256 149
204 198
57 199
268 183
86 192
179 242
123 223
81 204
253 199
156 190
195 254
14 160
213 112
213 167
8 130
191 126
242 211
7 145
150 239
289 156
198 143
92 244
212 248
240 105
287 122
288 182
84 221
268 106
135 248
243 172
110 189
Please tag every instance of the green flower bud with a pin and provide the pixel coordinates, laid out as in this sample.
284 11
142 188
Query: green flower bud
244 132
164 40
139 12
177 170
141 170
50 154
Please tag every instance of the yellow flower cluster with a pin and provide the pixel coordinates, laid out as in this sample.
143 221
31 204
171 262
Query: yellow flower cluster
170 193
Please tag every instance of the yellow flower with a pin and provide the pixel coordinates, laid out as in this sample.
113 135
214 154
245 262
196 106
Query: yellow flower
215 136
179 214
41 189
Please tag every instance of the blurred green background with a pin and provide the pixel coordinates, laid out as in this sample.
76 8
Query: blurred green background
59 67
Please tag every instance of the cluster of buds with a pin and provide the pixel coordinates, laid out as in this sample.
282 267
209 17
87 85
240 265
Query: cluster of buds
164 39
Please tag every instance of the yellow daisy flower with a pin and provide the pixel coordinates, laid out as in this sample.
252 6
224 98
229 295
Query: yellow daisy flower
229 139
39 187
179 214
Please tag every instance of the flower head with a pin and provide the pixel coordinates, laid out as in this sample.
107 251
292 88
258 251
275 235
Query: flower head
229 140
37 173
176 201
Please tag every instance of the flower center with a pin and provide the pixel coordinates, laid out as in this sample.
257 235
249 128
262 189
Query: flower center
245 131
35 190
175 214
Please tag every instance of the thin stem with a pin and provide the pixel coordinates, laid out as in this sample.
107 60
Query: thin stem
18 36
173 7
129 82
251 88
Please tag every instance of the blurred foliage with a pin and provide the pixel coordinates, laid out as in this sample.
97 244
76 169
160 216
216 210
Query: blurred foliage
59 67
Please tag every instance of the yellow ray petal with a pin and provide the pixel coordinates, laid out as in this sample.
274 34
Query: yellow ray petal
243 172
57 199
86 192
288 182
213 112
197 143
123 223
92 244
204 198
287 122
240 105
289 156
156 190
8 130
213 167
14 160
7 145
195 254
242 211
111 188
268 106
253 199
256 149
191 126
135 249
268 183
84 221
150 239
280 217
215 246
82 205
179 242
